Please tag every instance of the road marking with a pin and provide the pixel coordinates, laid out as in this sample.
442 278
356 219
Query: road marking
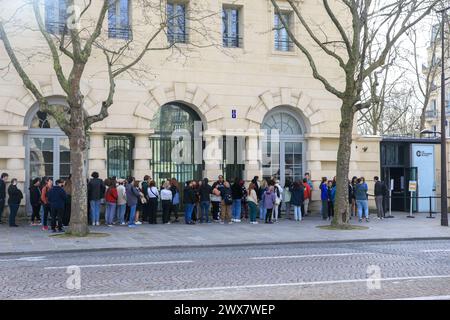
436 250
255 286
121 264
28 259
425 298
314 255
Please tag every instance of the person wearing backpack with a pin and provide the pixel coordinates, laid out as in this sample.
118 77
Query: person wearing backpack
121 202
205 200
227 202
175 199
278 193
261 193
269 203
153 196
236 193
188 201
166 202
111 197
297 199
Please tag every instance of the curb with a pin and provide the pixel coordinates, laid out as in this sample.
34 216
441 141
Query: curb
236 245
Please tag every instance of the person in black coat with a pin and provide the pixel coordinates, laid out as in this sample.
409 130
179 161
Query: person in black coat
15 197
297 198
188 201
3 180
35 201
57 199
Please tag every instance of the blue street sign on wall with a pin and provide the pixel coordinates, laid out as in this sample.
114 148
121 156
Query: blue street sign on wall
233 114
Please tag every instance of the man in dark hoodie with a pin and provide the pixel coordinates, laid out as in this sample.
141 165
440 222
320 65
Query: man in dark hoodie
3 180
57 199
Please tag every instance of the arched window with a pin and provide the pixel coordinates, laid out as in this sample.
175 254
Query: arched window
284 158
284 122
42 120
171 117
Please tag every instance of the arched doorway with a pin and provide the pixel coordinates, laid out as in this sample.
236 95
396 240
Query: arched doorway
47 149
170 117
287 154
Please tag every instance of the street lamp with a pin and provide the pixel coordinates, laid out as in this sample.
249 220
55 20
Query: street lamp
444 214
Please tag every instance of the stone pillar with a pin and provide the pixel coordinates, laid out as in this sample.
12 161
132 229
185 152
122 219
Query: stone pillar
212 155
142 155
253 155
97 155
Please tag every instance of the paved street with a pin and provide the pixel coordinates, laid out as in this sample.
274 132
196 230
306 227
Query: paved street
27 239
397 270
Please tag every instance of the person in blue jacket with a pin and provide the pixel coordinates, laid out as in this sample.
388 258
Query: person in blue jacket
331 198
57 200
324 197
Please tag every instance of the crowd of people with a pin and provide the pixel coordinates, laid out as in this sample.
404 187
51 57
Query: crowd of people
129 202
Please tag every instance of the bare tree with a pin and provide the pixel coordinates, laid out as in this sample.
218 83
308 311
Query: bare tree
360 25
82 39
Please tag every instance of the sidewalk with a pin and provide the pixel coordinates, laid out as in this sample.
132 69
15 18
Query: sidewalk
32 240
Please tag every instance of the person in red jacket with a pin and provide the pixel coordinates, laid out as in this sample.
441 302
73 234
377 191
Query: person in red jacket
44 199
307 196
111 196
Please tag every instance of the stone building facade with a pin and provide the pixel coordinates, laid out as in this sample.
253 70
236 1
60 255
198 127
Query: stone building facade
259 82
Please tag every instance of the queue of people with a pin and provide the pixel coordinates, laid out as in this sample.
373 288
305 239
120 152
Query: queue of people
131 202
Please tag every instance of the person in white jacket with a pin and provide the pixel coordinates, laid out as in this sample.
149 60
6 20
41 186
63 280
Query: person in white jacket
279 197
166 202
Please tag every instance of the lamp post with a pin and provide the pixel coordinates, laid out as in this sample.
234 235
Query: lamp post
444 214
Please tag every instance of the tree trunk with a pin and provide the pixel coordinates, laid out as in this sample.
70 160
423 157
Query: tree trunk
341 209
78 145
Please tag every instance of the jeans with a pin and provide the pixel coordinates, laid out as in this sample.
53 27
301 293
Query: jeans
262 210
110 212
121 208
298 213
205 211
131 220
363 205
95 211
45 215
237 209
253 210
188 208
13 208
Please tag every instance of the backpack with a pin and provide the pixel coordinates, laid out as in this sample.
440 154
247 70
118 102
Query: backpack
228 199
176 198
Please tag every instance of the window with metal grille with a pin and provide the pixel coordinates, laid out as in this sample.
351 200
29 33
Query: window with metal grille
282 40
176 22
119 26
55 16
120 162
230 21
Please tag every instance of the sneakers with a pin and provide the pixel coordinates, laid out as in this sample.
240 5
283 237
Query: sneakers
138 222
122 223
131 226
231 222
360 220
221 222
110 225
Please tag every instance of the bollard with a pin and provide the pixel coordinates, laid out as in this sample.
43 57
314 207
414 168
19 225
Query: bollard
431 213
411 207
